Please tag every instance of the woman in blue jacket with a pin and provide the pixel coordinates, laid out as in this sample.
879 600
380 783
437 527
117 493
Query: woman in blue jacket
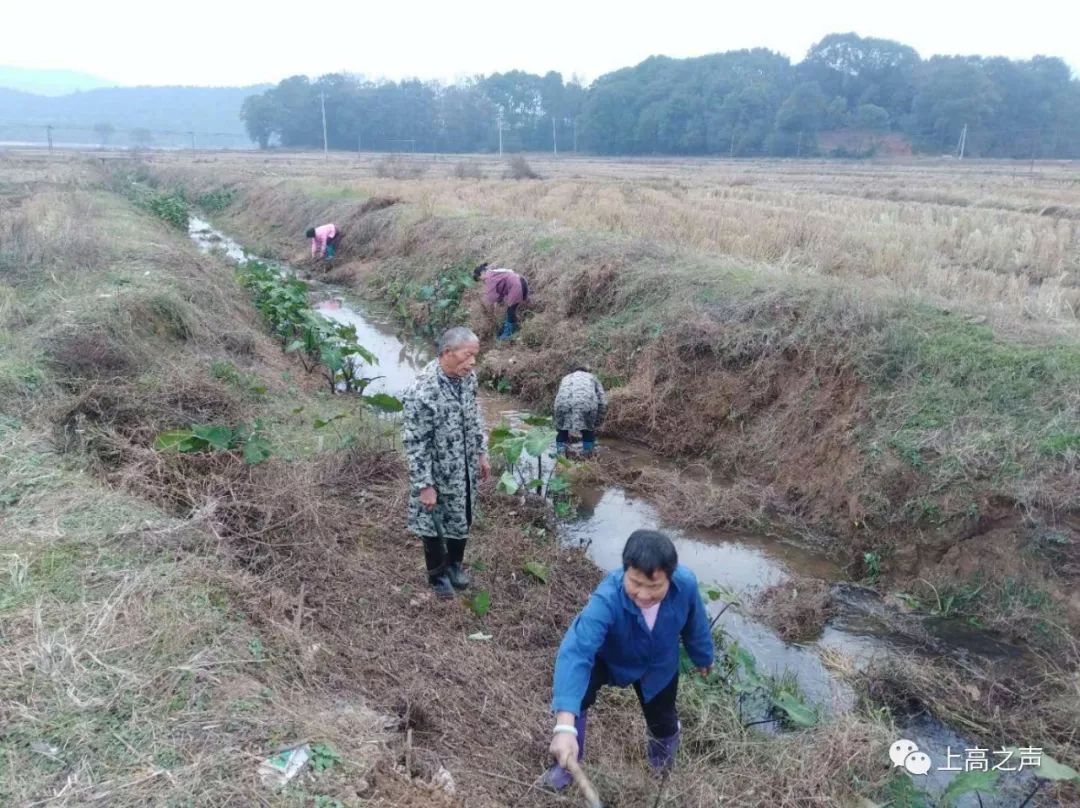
628 634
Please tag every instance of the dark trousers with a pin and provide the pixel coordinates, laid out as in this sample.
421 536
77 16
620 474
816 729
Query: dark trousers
563 436
661 716
440 553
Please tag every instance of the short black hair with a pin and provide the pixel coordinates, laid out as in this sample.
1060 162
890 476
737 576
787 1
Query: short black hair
476 273
648 551
310 232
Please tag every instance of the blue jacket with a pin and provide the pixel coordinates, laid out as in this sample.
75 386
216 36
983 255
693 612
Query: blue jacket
612 628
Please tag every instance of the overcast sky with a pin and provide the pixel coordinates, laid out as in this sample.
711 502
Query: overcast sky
228 43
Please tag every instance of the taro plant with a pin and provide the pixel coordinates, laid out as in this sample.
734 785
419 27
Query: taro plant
215 201
778 697
441 299
781 696
321 345
521 452
250 439
169 207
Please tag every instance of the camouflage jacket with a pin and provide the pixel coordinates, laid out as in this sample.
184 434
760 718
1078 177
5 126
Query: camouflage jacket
580 403
443 434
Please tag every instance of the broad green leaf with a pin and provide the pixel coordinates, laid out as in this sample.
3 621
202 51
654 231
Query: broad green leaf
384 402
479 566
1048 768
797 712
426 292
507 483
365 354
319 423
537 571
171 440
480 603
259 390
295 345
746 661
713 593
558 484
332 358
984 782
511 449
500 433
219 437
346 332
538 440
538 420
564 461
563 509
256 450
297 410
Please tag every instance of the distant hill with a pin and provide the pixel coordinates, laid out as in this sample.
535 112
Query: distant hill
49 82
163 116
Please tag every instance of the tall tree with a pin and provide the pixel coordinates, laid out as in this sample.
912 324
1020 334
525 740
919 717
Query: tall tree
863 71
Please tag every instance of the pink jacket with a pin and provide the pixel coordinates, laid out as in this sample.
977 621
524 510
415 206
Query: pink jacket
503 286
322 233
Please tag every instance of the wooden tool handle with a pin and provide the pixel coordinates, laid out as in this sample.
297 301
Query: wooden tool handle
592 799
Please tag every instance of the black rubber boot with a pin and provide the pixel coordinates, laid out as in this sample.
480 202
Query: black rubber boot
455 552
435 558
441 585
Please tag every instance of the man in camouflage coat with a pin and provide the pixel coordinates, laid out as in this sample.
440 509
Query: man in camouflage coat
580 406
446 446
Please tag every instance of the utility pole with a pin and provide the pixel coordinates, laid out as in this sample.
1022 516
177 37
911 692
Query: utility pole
48 135
963 143
798 149
325 148
192 140
554 138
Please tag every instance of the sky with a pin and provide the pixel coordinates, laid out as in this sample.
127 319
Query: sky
236 43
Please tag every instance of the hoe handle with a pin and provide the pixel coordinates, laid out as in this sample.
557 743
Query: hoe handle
592 799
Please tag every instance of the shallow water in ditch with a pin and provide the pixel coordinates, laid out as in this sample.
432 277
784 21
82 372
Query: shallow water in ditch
742 563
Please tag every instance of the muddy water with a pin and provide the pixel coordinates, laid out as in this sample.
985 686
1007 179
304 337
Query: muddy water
744 564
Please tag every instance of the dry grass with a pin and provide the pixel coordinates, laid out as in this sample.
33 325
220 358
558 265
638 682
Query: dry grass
322 572
465 170
518 168
797 609
230 610
400 168
1001 242
130 674
127 676
836 400
990 703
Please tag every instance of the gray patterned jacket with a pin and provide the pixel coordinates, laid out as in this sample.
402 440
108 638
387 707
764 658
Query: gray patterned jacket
580 402
443 434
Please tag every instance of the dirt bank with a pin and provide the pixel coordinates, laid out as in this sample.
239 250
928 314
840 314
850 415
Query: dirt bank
879 425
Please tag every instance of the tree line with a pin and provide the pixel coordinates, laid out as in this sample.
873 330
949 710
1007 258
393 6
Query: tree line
739 103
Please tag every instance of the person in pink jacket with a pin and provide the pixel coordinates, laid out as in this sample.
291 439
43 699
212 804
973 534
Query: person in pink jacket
503 286
324 240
